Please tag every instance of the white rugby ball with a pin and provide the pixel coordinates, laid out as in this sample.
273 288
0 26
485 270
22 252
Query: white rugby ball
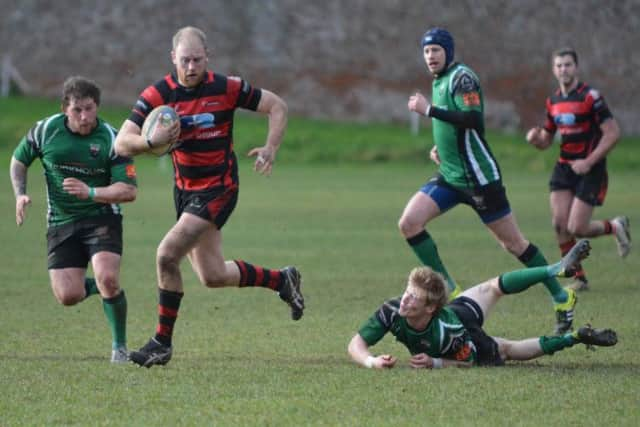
163 116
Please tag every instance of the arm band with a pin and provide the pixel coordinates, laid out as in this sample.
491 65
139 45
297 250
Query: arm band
437 363
92 193
466 119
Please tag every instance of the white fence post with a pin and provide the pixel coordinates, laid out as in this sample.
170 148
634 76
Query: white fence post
5 83
414 122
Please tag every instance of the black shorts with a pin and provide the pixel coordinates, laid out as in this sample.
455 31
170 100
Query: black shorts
489 201
214 205
73 245
470 314
590 188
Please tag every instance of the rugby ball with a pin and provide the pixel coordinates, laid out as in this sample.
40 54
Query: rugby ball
161 116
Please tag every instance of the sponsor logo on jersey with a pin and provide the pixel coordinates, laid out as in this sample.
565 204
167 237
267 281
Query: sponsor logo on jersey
566 119
197 121
77 169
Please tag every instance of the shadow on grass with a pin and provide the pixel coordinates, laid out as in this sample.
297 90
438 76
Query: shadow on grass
54 357
326 361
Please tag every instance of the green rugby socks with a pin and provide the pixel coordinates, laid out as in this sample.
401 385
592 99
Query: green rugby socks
427 252
90 287
532 257
116 311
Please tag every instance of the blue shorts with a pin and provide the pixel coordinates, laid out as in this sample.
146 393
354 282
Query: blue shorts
489 201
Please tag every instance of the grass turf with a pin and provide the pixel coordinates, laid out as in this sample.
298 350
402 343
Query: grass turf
240 360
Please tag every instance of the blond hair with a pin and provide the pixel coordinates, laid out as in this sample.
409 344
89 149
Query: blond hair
185 32
433 283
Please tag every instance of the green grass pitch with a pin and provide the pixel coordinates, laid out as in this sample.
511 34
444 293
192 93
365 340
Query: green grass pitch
239 359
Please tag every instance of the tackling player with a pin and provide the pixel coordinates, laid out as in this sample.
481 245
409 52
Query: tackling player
440 335
468 172
579 180
85 180
206 181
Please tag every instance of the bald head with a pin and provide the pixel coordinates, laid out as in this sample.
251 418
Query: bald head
190 35
189 55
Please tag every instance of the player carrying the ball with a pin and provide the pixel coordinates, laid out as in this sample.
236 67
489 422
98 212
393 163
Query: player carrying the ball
206 181
86 180
440 334
468 172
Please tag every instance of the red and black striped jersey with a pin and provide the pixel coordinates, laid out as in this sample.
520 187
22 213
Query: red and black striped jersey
578 117
204 158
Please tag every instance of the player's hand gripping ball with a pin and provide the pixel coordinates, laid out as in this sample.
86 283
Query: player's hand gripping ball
154 129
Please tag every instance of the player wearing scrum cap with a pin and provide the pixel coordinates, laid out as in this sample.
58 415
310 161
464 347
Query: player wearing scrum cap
467 171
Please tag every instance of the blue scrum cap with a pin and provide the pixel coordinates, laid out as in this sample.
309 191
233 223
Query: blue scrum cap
441 37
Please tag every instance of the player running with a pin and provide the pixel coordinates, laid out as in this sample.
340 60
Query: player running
206 182
468 172
579 180
85 180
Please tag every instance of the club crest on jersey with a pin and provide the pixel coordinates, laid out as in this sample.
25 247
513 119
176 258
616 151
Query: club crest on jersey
94 149
566 119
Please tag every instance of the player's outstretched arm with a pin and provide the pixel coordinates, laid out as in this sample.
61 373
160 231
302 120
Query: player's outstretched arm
18 174
359 352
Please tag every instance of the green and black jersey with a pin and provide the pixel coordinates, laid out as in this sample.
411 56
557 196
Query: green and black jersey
444 337
89 158
466 160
